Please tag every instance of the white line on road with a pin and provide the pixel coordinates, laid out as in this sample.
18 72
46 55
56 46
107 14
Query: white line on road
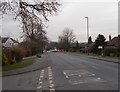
67 77
39 87
95 67
41 79
50 77
50 81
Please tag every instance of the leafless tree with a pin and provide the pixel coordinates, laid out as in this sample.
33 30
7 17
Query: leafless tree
26 8
66 38
31 14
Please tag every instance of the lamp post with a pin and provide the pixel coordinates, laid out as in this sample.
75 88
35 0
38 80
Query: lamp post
87 33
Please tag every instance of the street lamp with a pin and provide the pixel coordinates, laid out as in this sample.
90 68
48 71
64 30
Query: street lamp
87 34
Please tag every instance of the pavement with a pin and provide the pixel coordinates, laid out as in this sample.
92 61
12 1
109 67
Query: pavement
103 58
41 63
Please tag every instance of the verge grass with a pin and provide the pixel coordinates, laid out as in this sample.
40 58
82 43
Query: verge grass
21 64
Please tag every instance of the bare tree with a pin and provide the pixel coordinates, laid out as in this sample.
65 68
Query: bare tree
66 39
31 14
34 9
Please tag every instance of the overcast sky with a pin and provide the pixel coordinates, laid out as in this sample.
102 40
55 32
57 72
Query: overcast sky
103 19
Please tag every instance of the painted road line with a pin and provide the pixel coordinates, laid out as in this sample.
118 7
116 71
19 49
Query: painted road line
39 87
64 73
51 85
95 67
50 81
67 77
41 79
40 83
50 77
80 75
52 89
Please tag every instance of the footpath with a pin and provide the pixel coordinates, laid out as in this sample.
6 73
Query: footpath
104 58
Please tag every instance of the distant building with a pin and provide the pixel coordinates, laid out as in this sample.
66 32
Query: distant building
112 46
8 42
84 47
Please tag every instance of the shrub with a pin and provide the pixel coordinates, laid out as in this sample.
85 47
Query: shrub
18 52
110 51
13 55
7 57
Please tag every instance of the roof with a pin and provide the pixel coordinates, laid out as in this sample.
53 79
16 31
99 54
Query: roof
114 41
82 45
4 39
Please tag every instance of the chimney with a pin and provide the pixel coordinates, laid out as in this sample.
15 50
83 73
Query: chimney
109 37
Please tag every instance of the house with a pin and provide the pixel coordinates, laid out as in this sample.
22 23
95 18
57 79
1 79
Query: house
8 42
112 46
84 47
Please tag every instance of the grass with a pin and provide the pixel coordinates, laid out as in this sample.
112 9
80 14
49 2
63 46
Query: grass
22 64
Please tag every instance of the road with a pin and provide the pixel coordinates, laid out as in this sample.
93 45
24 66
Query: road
67 72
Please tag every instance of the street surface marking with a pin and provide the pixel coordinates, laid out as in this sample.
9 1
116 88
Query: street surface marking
51 85
81 76
39 87
67 77
95 67
41 79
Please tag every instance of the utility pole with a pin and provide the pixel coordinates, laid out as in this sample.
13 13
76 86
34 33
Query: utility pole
87 34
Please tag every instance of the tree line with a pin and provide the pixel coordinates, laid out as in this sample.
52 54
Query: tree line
67 41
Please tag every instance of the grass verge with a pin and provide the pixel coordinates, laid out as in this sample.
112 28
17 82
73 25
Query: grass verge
22 64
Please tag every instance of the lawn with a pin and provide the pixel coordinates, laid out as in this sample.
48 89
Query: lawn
22 64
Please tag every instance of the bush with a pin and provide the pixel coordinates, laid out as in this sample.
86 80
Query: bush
18 52
7 57
12 55
110 51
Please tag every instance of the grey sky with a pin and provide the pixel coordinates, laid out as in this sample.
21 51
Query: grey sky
103 19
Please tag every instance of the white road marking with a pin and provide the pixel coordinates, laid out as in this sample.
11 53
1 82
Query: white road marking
64 73
99 78
40 82
93 74
79 75
52 89
95 67
50 77
51 85
41 79
39 87
50 81
67 77
43 70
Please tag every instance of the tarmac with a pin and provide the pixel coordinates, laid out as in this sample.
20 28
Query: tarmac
42 62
